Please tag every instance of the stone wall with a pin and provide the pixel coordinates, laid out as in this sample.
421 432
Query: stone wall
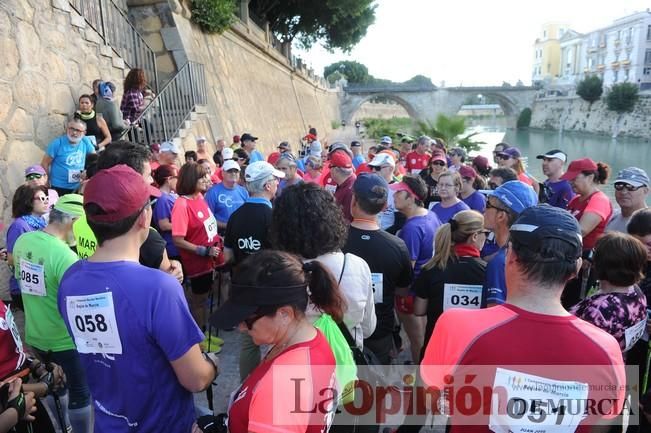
48 58
251 85
575 114
380 111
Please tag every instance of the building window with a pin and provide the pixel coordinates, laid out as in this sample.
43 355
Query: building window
648 33
647 57
544 34
647 71
615 75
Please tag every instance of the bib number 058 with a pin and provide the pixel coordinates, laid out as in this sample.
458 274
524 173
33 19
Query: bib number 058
91 323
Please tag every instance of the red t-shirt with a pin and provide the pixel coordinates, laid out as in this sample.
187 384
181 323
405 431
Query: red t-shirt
344 196
363 168
522 177
598 203
11 346
267 399
521 349
192 219
216 176
416 162
327 182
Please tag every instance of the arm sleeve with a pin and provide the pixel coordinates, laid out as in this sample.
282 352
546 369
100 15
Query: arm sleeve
170 311
180 218
52 149
13 233
600 205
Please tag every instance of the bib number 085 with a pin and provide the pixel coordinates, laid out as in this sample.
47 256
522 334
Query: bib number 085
28 277
91 323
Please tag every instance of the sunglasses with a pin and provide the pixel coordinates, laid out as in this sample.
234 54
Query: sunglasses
504 157
250 321
33 176
489 205
42 198
439 163
621 186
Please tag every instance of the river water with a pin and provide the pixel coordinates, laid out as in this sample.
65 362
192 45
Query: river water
618 154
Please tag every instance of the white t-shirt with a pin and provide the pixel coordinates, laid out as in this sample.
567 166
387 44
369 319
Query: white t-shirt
356 286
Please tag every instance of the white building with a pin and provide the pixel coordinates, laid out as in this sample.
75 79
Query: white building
618 53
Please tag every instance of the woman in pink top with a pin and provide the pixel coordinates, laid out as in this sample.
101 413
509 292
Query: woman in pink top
313 168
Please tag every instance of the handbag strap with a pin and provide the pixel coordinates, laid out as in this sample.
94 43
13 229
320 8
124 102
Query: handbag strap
343 267
344 329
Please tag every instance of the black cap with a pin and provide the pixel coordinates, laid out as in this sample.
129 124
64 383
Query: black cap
246 137
537 223
245 300
554 153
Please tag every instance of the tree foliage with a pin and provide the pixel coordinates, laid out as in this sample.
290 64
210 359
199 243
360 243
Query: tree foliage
213 16
420 80
524 119
450 130
354 72
334 23
622 97
393 127
590 88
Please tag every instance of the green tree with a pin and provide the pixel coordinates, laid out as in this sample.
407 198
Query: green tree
213 16
334 23
354 72
393 127
450 130
524 119
590 88
419 80
622 97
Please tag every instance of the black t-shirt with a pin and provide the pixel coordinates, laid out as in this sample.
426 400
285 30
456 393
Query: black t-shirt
151 251
247 231
387 257
430 285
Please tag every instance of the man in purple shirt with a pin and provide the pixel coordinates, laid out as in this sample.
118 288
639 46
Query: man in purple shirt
560 190
137 340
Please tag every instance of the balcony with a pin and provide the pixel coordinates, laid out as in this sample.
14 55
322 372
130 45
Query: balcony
626 63
614 65
601 67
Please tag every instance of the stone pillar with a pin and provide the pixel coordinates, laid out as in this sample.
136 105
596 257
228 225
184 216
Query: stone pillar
244 11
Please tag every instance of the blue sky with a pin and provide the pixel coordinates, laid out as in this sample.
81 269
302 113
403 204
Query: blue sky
467 42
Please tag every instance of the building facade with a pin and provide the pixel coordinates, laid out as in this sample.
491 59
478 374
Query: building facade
546 64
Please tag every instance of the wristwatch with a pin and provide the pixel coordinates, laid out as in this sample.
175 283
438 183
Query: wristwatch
213 359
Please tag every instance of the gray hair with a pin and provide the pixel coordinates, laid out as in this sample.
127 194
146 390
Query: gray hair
77 121
424 139
315 162
344 171
289 158
256 187
58 217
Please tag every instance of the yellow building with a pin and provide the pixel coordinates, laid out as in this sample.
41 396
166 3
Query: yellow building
547 52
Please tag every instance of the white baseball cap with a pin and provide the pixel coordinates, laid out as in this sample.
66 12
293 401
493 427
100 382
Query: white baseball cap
169 146
261 169
227 153
231 165
383 159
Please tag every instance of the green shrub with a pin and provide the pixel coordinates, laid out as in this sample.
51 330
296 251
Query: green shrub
590 89
524 119
213 16
622 97
335 124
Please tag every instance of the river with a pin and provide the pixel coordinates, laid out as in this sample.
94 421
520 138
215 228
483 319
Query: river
619 154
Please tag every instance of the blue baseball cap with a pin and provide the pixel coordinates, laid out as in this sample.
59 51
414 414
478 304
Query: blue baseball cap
372 187
516 195
537 223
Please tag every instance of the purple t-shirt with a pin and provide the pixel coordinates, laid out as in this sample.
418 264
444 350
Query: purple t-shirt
162 210
418 234
476 201
445 214
17 228
129 322
561 194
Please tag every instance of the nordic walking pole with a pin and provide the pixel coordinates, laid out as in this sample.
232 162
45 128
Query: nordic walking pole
55 396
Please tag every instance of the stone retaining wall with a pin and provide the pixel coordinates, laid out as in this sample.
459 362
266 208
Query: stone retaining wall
575 114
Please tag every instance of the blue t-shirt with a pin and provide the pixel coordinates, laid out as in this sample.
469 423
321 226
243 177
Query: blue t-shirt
223 201
418 234
495 285
68 161
357 160
162 210
562 193
129 322
255 156
445 214
476 201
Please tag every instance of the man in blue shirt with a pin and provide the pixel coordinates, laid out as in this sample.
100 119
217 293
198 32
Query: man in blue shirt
358 158
65 157
502 209
248 144
560 190
226 197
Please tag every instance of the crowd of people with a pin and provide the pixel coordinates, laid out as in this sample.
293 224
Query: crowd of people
119 253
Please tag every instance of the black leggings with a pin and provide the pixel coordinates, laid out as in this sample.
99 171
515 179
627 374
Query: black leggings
202 284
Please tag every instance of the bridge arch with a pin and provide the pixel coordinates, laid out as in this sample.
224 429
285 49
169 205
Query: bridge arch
354 104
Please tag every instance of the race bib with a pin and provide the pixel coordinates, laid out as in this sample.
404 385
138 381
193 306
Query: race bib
74 176
462 296
331 188
535 404
634 333
93 324
415 170
378 287
210 225
32 278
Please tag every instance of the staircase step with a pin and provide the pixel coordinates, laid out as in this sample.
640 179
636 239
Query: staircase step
194 116
201 109
106 50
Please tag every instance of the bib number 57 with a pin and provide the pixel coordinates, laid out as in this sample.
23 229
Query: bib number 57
91 323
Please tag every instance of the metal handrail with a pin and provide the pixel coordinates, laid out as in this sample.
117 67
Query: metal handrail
112 24
165 115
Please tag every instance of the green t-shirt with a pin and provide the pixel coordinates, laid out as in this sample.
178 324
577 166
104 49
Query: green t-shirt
86 240
40 261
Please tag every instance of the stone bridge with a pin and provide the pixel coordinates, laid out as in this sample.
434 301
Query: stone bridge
427 102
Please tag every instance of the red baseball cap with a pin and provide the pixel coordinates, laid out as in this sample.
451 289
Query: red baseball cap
119 191
578 166
467 171
341 160
437 156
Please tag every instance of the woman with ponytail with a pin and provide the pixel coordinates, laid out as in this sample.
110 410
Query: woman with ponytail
453 278
269 296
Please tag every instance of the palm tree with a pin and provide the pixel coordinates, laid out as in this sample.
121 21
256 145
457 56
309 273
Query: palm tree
450 130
